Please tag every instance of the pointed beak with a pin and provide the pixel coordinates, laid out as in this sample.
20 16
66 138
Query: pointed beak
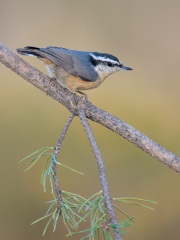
125 68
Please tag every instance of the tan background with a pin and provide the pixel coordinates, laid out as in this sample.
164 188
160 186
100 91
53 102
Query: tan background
145 35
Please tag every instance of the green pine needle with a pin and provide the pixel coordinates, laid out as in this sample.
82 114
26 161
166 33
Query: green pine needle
77 209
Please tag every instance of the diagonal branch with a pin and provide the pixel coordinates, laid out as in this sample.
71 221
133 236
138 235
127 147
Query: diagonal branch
69 100
102 173
54 163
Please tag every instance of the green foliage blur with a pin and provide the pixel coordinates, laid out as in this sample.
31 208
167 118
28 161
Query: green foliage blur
144 35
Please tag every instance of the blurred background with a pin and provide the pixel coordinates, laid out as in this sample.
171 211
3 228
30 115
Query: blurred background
144 35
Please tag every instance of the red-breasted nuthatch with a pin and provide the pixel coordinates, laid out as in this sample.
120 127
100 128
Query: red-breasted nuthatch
76 70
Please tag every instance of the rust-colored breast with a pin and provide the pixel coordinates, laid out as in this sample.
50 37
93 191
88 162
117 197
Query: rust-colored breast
69 81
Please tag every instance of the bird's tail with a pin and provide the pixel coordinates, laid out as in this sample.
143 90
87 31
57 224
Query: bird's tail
30 51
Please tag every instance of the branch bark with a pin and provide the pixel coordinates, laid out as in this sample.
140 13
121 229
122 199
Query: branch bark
54 165
102 172
69 100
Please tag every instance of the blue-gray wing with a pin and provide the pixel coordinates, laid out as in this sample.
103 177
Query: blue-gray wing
76 63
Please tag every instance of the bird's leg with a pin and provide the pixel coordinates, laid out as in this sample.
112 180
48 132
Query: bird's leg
84 96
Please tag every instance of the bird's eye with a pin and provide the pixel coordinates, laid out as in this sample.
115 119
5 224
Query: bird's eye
120 65
109 64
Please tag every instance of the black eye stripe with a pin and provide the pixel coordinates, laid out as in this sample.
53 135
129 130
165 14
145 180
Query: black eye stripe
99 61
93 61
110 64
107 63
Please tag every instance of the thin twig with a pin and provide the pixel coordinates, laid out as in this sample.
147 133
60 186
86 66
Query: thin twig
69 100
102 172
54 166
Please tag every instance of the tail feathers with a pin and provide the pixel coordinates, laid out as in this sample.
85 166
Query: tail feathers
30 51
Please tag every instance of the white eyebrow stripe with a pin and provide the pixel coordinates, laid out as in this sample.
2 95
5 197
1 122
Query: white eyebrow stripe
104 59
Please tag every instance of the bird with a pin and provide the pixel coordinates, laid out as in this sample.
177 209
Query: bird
73 69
